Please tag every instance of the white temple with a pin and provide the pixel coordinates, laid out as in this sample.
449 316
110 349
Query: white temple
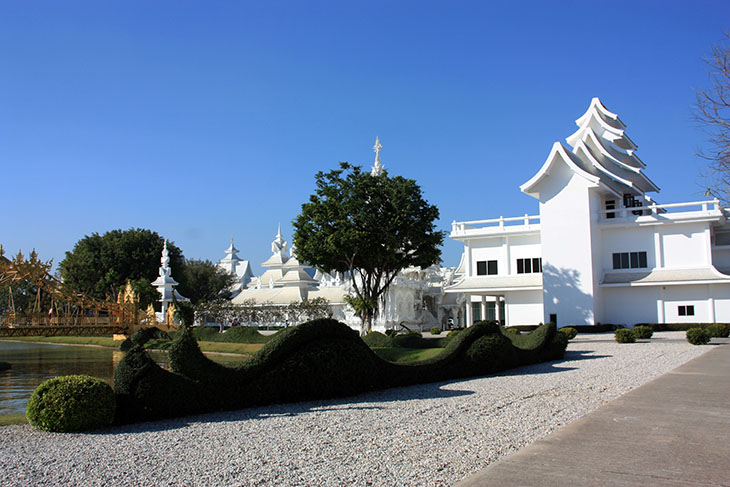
165 285
601 249
415 298
237 267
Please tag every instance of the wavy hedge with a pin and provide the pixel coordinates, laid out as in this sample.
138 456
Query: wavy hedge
315 360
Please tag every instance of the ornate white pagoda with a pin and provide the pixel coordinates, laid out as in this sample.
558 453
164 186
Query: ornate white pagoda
165 285
237 267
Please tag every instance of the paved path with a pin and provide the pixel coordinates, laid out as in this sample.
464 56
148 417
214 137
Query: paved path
673 431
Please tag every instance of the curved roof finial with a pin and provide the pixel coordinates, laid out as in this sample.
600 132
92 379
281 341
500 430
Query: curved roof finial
377 166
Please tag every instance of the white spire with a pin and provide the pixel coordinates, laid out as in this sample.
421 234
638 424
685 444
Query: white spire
377 166
279 245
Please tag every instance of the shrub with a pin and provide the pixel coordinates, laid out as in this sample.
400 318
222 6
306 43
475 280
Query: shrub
698 336
435 330
569 332
412 339
391 332
205 333
241 334
375 339
516 331
453 333
643 331
719 331
624 335
71 403
315 360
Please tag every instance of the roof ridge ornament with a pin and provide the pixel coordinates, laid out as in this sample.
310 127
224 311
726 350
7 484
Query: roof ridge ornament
378 167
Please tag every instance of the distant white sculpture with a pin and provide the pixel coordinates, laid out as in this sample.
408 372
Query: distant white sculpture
165 284
377 169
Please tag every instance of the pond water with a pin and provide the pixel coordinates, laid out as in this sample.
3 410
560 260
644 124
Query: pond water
32 363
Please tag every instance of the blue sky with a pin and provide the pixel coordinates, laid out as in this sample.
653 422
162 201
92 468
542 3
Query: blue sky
207 120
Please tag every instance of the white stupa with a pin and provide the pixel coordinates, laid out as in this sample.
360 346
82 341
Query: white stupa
165 284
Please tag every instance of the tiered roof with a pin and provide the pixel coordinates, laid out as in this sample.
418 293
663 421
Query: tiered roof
600 152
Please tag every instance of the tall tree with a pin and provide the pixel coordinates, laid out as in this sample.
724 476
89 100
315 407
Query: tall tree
713 112
100 265
202 280
372 226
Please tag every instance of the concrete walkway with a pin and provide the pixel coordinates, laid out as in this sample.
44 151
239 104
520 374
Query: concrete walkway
673 431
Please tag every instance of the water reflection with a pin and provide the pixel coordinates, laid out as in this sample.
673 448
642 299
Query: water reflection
32 363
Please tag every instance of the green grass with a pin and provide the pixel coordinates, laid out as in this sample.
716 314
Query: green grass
101 341
224 347
7 419
406 355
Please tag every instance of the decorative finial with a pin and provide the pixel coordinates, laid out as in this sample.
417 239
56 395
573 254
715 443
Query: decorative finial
377 167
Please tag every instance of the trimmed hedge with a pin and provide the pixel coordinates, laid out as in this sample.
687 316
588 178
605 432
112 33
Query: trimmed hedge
142 336
681 326
717 330
315 360
569 332
375 339
643 331
624 335
435 330
235 334
698 336
71 403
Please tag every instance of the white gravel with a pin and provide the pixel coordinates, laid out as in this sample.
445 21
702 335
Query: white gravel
433 434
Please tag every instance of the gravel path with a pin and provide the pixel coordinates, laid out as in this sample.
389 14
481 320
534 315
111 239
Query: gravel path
433 434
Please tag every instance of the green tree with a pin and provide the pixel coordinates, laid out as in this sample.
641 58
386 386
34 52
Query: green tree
370 226
100 265
202 280
713 113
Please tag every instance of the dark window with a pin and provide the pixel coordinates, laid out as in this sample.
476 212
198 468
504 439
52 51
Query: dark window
611 205
482 268
629 260
526 266
686 310
491 267
476 312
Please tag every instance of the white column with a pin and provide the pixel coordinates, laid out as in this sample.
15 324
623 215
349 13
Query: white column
468 264
498 308
708 247
711 303
660 305
469 316
506 253
484 308
658 250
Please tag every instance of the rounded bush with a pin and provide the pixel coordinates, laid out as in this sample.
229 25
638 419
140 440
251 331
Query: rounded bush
719 331
569 332
643 331
71 403
376 339
435 330
698 336
624 335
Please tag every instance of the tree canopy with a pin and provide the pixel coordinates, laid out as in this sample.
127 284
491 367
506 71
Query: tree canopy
202 280
713 113
370 226
100 265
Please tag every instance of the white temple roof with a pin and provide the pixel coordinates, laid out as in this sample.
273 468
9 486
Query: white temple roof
487 284
601 150
666 277
275 296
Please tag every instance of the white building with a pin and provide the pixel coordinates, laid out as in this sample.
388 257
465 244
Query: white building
237 267
415 298
600 250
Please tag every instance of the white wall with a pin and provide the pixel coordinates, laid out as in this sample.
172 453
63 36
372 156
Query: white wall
523 308
630 305
565 223
685 245
633 239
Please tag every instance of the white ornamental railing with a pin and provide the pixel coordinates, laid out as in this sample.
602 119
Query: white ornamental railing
655 210
494 223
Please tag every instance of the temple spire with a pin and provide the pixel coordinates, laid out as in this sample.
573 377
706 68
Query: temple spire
377 166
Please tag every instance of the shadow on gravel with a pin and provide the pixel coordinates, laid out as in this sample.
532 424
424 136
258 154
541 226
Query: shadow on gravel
353 403
582 355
